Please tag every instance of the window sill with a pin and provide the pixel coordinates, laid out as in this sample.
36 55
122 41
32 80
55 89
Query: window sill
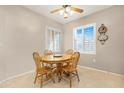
57 51
88 53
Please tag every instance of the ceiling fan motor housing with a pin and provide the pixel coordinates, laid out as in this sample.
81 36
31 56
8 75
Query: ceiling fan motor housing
64 6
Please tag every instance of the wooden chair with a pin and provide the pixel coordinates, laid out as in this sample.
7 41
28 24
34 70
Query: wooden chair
68 52
41 70
48 52
71 69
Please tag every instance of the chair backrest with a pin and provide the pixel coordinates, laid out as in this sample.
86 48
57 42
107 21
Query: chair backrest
37 60
75 58
48 52
69 52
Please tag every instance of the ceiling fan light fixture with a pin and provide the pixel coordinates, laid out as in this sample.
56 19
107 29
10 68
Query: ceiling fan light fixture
68 9
61 12
65 15
72 12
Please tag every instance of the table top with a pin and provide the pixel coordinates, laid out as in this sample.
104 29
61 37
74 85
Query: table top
54 60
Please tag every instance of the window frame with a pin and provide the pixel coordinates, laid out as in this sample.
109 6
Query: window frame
46 38
83 27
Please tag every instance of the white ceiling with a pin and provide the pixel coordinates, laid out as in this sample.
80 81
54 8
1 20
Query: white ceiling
45 10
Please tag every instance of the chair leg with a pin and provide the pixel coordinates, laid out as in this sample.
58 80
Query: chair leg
52 74
70 80
59 77
35 78
53 78
41 83
77 76
47 76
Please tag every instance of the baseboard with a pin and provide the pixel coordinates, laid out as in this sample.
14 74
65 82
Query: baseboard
84 67
107 72
15 76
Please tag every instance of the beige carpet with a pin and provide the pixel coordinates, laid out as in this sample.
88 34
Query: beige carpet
88 79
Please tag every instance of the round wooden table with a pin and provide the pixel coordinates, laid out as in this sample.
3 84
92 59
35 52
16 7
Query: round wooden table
58 61
55 59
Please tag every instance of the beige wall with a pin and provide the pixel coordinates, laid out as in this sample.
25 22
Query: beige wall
21 33
109 57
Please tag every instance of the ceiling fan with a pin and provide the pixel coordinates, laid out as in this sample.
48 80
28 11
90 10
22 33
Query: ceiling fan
67 10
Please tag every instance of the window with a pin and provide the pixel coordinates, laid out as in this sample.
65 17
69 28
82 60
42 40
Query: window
53 39
84 39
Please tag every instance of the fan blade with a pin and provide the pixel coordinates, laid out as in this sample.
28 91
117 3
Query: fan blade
77 9
57 10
